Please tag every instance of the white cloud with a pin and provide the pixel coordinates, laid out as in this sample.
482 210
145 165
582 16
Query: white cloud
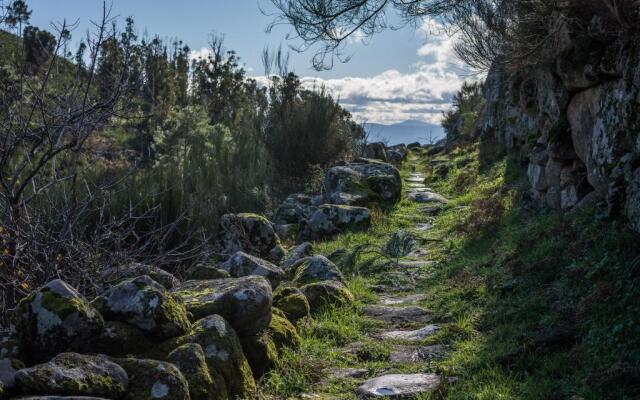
392 96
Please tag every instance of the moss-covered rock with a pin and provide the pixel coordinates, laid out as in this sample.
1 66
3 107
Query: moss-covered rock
55 319
317 268
263 350
299 252
244 302
121 339
115 275
76 375
144 303
223 355
261 353
292 302
251 233
363 182
203 272
326 294
330 219
153 380
242 264
191 361
282 331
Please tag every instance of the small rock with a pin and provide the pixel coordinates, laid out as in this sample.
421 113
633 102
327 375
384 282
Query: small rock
397 386
326 294
300 251
316 269
121 339
342 373
244 302
409 354
427 197
74 374
242 264
292 302
145 304
409 299
376 151
398 315
411 335
151 379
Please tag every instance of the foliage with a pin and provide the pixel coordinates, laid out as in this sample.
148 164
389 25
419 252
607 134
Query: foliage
459 122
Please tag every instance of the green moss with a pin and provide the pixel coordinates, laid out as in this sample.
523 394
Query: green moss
149 376
283 333
292 303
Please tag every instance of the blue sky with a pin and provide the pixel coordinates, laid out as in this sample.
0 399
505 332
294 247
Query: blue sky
397 75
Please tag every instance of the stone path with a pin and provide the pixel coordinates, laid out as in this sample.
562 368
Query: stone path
404 323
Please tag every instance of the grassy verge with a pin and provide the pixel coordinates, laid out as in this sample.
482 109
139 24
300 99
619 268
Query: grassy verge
534 304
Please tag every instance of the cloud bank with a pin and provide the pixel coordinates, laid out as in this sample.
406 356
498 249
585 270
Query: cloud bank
391 97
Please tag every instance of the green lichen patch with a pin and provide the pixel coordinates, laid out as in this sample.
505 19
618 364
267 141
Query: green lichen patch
191 361
74 374
154 380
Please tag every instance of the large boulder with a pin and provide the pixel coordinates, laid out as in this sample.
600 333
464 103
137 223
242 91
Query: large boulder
331 219
316 269
250 233
112 276
145 304
244 302
292 302
191 361
363 182
151 379
223 355
326 294
74 374
375 151
55 319
242 264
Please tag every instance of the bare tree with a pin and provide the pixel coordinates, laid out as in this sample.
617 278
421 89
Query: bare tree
513 32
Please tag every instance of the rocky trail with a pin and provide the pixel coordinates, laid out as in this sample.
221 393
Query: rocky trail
404 324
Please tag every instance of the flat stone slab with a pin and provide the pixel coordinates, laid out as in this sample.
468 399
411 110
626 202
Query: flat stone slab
416 186
414 354
418 254
399 386
423 227
398 315
427 197
402 300
431 210
344 373
415 264
413 335
415 179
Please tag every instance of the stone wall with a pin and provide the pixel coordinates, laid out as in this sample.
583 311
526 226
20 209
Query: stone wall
576 116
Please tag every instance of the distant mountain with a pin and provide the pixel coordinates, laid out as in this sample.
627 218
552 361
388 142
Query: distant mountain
404 132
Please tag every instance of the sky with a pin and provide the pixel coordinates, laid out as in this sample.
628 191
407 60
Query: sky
404 74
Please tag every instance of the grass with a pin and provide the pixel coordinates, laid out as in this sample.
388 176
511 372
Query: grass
534 304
